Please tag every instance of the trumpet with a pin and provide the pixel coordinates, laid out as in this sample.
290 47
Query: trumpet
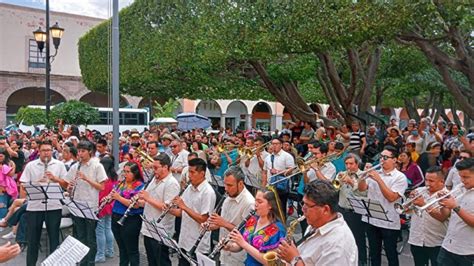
364 174
337 182
250 152
433 203
222 147
409 205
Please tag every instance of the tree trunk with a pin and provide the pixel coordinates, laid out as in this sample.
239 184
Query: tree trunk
411 109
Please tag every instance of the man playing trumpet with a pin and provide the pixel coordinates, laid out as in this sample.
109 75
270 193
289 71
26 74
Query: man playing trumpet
457 247
428 230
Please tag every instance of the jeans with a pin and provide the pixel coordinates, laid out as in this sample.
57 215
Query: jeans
447 258
105 238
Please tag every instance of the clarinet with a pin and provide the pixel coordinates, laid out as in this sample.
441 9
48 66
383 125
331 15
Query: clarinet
76 177
205 226
108 199
170 206
133 201
226 240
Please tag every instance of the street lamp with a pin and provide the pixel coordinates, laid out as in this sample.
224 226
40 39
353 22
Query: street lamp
42 40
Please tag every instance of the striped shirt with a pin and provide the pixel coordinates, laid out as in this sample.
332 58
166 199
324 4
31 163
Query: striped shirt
355 142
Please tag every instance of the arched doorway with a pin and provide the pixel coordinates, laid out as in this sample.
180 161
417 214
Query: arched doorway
98 99
212 110
236 115
29 96
261 116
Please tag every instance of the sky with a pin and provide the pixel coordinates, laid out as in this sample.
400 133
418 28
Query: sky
92 8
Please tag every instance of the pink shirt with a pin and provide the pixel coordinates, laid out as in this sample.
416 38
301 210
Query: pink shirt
7 181
108 186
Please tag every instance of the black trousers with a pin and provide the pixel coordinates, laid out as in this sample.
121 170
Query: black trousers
183 261
84 231
156 253
35 220
358 229
389 237
423 255
447 258
127 238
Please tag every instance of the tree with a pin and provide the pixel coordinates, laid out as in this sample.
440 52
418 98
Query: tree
443 32
165 110
75 113
31 116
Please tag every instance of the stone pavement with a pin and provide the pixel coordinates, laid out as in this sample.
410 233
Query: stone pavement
405 258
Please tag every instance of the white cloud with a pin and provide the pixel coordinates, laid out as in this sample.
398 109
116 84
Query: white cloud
93 8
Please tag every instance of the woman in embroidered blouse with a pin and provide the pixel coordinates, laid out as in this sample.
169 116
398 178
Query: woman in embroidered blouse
262 233
128 234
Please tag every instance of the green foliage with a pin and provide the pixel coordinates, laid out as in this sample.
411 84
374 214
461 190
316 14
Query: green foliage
31 116
75 113
165 110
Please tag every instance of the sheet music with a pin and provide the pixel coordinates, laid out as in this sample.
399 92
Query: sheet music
377 211
70 252
80 209
357 205
203 260
40 191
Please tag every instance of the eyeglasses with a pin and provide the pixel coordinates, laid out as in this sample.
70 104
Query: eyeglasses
307 206
386 157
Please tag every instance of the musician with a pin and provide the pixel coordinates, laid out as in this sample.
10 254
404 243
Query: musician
162 189
235 208
349 189
453 179
101 147
428 230
328 240
179 158
127 235
262 233
252 167
38 212
84 181
457 247
273 170
326 171
386 187
185 173
194 207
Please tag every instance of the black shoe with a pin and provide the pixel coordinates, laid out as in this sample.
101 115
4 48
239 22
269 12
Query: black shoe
22 246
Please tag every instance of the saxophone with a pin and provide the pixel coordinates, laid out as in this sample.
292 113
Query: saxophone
271 257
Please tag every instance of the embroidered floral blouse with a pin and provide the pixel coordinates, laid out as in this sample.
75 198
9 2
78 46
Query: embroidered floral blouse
128 191
265 239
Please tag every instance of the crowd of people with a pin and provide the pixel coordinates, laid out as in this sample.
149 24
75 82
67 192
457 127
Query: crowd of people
233 192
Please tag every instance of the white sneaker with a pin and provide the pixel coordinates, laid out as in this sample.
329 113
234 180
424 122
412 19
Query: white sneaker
10 235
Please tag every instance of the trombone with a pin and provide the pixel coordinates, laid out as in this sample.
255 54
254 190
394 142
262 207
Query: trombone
144 157
250 152
433 202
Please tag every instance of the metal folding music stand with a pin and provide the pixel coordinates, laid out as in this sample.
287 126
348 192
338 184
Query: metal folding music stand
368 207
80 209
50 191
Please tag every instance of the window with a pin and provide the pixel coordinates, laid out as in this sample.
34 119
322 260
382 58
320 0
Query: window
36 59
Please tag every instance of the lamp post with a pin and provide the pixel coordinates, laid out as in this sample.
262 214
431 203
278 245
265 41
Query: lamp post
43 41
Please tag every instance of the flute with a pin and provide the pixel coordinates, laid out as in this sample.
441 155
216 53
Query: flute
226 240
205 226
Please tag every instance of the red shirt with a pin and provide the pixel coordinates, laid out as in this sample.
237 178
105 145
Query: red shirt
108 186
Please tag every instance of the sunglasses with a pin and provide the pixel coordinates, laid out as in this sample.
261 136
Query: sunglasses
386 157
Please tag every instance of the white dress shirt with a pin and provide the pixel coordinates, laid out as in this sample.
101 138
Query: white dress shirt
234 210
459 238
35 171
328 170
253 171
395 181
163 190
179 160
282 160
426 231
453 179
331 244
185 174
201 200
84 192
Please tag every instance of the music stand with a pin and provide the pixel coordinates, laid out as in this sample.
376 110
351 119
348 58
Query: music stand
80 209
217 181
159 233
368 207
43 192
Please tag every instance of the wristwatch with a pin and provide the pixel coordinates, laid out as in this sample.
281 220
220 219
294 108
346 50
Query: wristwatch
295 260
457 209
